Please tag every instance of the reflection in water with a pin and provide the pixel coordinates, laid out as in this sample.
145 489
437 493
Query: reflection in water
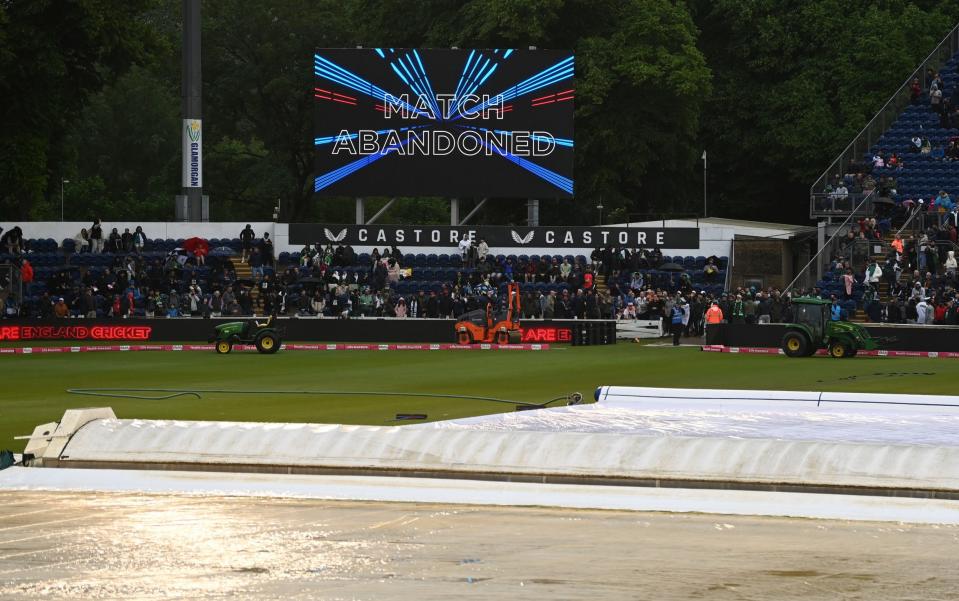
127 546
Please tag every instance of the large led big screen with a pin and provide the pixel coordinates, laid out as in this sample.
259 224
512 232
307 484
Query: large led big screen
456 123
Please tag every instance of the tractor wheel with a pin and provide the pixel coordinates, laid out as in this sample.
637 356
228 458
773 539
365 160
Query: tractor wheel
839 349
223 347
502 337
464 338
267 343
795 345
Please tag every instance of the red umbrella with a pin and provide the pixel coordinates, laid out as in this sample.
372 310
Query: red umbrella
197 246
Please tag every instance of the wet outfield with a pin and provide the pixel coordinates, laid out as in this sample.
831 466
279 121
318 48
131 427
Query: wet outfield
137 546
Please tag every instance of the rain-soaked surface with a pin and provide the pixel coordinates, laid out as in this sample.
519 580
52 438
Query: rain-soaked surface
139 546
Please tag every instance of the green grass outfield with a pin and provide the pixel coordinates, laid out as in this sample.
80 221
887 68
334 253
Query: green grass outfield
33 387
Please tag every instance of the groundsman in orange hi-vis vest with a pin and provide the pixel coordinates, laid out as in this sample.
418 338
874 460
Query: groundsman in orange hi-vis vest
714 314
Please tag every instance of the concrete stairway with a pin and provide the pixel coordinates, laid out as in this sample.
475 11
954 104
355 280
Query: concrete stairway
244 272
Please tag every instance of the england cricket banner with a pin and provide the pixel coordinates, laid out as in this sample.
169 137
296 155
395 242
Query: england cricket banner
495 236
192 153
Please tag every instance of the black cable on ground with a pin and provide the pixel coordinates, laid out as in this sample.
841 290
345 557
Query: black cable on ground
175 392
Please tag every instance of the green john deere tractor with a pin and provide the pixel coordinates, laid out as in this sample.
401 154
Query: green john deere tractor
814 330
263 335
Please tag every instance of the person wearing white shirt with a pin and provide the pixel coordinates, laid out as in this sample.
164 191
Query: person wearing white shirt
464 247
923 312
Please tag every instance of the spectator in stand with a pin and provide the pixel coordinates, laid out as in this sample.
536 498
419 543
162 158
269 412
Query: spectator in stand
81 242
12 241
915 144
952 313
392 271
256 264
26 272
935 98
848 281
60 309
114 245
924 312
482 250
873 273
246 239
839 196
738 310
126 240
139 239
897 243
96 236
266 249
464 248
950 265
915 91
710 270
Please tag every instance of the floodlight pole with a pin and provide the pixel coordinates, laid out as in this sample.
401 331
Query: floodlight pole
62 181
532 212
191 205
360 211
705 214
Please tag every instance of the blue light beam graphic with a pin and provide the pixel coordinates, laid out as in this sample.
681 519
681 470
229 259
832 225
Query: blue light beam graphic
330 71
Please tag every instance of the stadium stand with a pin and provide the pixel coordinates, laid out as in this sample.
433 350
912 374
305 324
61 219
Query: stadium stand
904 184
160 279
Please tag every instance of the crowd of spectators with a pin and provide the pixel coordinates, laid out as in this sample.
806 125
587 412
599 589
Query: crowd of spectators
915 282
126 274
134 276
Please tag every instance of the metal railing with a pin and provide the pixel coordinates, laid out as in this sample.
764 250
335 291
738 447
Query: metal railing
834 205
12 286
912 218
830 245
886 116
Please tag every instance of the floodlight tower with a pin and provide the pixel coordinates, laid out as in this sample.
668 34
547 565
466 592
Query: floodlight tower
192 205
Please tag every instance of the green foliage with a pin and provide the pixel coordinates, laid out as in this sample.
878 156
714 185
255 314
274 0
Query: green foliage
794 83
772 89
126 149
53 56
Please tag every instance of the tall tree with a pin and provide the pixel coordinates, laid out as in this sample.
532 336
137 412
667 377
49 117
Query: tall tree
258 101
794 83
53 56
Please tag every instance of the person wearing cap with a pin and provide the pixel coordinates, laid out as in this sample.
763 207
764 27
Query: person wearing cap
676 316
60 309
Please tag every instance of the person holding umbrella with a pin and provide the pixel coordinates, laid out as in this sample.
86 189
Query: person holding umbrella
199 248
